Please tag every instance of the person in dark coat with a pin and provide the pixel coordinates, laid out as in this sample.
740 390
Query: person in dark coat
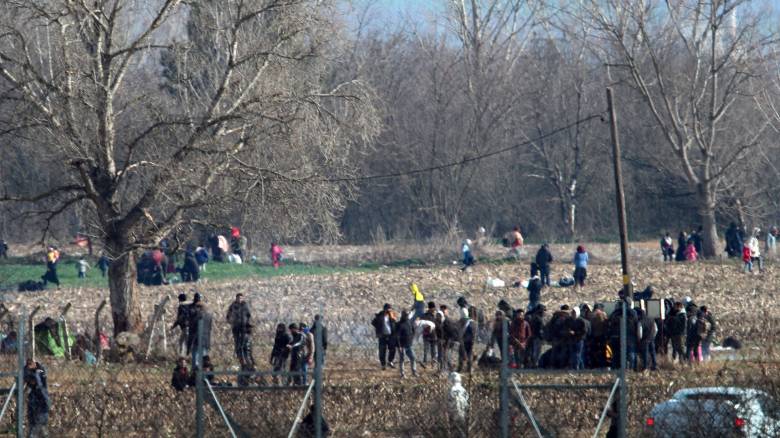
682 245
183 322
324 338
675 328
632 336
280 353
534 292
3 249
198 313
296 348
536 322
647 341
181 375
38 402
543 259
384 324
189 270
468 334
103 264
405 333
449 340
238 315
734 241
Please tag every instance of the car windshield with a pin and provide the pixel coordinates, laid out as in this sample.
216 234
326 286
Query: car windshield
714 396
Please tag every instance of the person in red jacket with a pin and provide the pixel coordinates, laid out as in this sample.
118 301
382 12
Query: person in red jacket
276 254
747 258
519 335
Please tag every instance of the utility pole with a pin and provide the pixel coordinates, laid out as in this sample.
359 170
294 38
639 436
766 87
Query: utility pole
627 291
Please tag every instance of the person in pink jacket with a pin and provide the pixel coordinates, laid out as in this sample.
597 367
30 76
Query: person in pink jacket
276 254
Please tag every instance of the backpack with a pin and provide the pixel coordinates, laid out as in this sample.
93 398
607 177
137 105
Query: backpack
566 282
702 326
30 286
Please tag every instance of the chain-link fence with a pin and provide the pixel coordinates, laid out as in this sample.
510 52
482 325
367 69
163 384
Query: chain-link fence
127 389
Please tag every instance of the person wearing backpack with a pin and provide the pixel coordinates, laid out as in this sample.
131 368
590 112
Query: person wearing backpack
696 329
710 328
676 323
647 341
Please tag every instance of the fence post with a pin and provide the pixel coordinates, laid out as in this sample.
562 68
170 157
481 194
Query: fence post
318 363
65 333
623 402
32 332
199 382
20 377
504 380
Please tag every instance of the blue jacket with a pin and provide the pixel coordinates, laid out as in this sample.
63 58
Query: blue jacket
580 259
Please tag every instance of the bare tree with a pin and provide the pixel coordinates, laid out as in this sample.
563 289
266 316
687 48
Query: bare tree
241 113
698 70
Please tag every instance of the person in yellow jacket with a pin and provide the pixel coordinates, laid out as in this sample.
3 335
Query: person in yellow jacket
419 301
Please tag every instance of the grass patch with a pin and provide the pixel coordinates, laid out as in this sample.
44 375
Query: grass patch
16 271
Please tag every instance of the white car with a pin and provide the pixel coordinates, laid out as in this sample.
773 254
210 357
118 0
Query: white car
715 412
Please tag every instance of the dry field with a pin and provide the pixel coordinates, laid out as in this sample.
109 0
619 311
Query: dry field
135 399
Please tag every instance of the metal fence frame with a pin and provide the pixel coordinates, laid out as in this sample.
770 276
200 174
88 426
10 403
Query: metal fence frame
203 388
507 382
17 388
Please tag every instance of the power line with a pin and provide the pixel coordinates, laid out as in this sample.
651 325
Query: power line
467 159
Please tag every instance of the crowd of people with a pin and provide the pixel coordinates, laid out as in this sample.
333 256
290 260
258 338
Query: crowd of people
292 355
579 337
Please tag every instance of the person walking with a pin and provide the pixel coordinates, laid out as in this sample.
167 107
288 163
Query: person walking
183 322
384 325
450 336
238 315
543 259
580 267
52 257
405 333
755 250
468 256
103 264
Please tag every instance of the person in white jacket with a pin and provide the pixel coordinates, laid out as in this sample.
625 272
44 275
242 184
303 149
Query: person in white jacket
755 250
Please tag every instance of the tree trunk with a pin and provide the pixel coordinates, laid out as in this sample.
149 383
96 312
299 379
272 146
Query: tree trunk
710 242
123 289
